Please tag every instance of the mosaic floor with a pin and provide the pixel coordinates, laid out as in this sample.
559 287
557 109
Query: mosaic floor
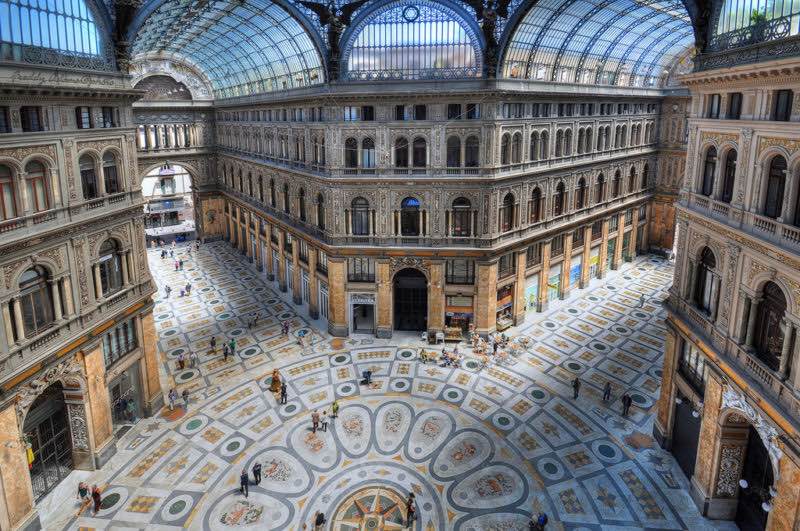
480 448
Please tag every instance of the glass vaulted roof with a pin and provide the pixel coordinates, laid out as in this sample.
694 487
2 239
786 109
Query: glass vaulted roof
604 42
243 46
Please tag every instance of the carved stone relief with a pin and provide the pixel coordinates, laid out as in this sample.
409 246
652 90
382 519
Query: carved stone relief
77 426
730 465
766 142
68 371
396 263
769 434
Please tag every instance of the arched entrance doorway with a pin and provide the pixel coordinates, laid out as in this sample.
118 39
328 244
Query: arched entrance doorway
410 218
757 473
47 431
169 204
410 300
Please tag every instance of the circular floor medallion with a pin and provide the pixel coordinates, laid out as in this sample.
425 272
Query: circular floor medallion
176 508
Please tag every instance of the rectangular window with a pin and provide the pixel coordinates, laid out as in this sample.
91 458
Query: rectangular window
628 218
734 106
577 238
83 117
322 262
557 246
351 114
506 266
420 112
119 341
287 242
110 117
5 124
642 213
692 366
533 255
535 110
613 223
302 251
368 113
597 230
31 119
473 111
460 271
360 270
783 106
400 113
453 111
713 106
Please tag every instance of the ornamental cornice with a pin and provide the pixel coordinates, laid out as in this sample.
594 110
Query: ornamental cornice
718 138
766 142
99 145
21 153
732 399
68 371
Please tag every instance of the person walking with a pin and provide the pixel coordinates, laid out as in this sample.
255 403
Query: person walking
626 404
173 396
283 392
213 344
641 300
411 510
232 344
167 290
324 421
180 263
83 494
607 392
185 396
244 483
225 352
97 499
314 421
576 387
193 359
334 409
176 265
181 361
257 473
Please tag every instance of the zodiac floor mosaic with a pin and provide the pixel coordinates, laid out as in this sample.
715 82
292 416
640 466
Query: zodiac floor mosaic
481 448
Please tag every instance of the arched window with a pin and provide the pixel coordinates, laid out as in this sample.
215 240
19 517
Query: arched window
401 153
286 202
505 149
110 174
8 196
588 144
769 337
110 267
535 208
559 199
534 147
453 152
632 180
581 140
728 177
410 222
250 184
600 189
559 143
272 199
54 26
261 188
462 217
367 153
704 291
568 143
615 185
516 148
351 153
506 221
544 152
623 141
580 194
776 184
321 211
472 152
360 216
35 300
420 153
709 169
301 204
88 177
36 184
601 135
645 171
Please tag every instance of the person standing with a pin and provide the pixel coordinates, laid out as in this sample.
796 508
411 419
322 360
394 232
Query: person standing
181 361
224 352
83 493
324 421
97 499
607 392
131 410
173 396
213 345
641 300
411 510
193 359
334 409
314 421
167 291
576 387
232 344
185 396
180 264
257 473
283 392
244 483
626 404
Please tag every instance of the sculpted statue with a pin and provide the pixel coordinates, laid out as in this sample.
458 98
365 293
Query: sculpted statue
335 19
487 12
275 385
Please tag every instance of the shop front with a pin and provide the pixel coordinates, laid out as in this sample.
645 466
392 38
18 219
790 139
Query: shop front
626 244
612 245
125 394
362 313
554 283
323 300
458 315
532 293
505 307
594 263
575 271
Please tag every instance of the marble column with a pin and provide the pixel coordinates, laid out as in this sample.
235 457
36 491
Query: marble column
68 304
617 261
634 232
98 285
8 325
486 299
585 259
124 261
706 467
436 298
313 299
751 322
337 297
519 288
665 407
384 299
282 263
566 265
98 406
153 395
544 277
18 320
56 295
17 510
788 330
602 264
297 274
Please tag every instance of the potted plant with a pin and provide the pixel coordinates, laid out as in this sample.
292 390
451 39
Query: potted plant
758 23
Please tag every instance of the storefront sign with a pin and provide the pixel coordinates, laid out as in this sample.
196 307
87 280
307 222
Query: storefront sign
362 298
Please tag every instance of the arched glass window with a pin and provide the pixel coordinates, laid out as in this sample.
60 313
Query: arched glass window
545 149
588 143
67 27
704 283
250 184
645 171
401 153
286 201
462 217
351 153
301 204
321 211
632 180
453 152
559 199
776 184
534 147
36 184
272 199
581 140
110 174
367 153
728 177
768 340
406 41
616 184
261 188
506 221
410 222
110 267
420 153
505 149
88 177
472 152
580 193
600 189
36 302
559 143
8 196
516 148
360 216
709 169
568 142
536 205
